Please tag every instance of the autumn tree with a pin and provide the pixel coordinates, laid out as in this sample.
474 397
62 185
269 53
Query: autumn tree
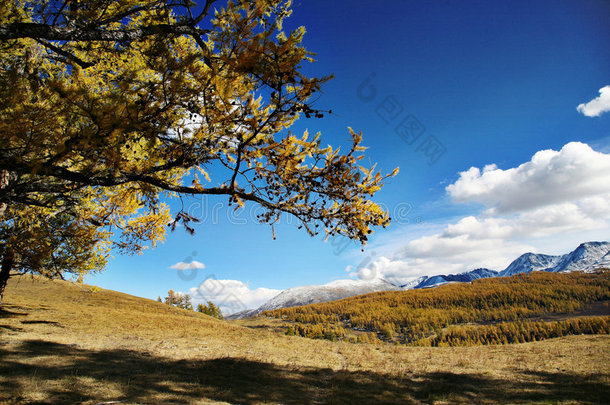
50 244
179 300
210 309
108 108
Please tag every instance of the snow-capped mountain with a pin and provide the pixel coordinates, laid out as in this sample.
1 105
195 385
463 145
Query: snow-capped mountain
327 292
588 256
529 262
413 283
455 278
313 294
605 261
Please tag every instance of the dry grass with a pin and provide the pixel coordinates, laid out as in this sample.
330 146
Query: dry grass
61 343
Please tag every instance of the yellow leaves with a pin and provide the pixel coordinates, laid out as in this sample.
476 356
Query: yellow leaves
47 240
356 140
125 121
223 88
205 174
196 184
321 182
367 172
239 201
149 226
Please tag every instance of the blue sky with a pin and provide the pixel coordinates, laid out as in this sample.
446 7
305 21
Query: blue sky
488 83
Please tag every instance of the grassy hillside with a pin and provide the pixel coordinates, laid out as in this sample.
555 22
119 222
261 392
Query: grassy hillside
496 310
64 343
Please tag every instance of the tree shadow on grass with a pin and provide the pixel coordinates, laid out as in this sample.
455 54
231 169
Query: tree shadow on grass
68 374
11 328
42 322
5 313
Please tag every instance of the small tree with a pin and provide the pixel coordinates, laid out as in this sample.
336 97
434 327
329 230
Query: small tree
210 309
176 299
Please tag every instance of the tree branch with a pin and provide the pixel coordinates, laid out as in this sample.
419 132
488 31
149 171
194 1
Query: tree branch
204 12
54 33
65 54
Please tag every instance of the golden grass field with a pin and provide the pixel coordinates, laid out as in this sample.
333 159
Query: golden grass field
62 343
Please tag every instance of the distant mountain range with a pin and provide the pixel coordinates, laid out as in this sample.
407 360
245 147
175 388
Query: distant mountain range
313 294
586 257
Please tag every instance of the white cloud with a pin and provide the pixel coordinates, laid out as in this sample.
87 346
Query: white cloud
188 266
231 295
557 219
550 177
598 206
489 242
556 196
598 105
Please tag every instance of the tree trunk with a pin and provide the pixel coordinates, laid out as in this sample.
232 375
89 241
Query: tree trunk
5 270
5 177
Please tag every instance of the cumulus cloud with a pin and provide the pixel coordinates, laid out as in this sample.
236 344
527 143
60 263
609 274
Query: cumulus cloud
564 193
463 246
598 105
489 242
188 266
550 177
231 295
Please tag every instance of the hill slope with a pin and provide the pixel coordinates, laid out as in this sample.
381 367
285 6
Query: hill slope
428 316
62 343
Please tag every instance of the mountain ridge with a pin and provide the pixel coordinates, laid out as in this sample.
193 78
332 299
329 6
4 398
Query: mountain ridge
314 294
587 257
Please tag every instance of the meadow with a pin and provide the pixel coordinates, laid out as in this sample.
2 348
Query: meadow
63 342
